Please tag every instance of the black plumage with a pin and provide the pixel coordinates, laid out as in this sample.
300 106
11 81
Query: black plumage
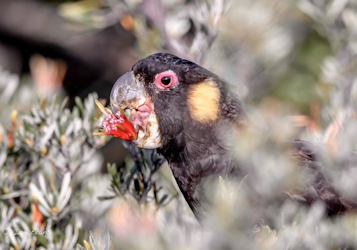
194 150
196 140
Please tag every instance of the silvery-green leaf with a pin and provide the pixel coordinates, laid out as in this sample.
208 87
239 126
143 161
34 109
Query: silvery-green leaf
21 131
6 215
69 129
48 134
73 236
12 81
311 10
335 8
77 123
107 241
75 113
79 104
65 185
13 194
42 182
53 103
3 156
51 198
92 242
11 234
43 211
68 236
64 103
88 153
49 233
64 213
39 196
62 201
25 234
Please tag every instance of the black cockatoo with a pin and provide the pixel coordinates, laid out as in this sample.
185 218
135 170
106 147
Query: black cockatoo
187 113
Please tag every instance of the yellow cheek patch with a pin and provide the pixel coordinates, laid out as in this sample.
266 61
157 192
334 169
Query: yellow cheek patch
203 101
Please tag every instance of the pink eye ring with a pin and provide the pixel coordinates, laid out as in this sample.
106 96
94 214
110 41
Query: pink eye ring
166 79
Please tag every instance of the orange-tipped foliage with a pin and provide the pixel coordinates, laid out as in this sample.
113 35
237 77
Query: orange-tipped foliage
36 216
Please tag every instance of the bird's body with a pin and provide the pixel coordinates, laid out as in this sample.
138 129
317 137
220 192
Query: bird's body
190 117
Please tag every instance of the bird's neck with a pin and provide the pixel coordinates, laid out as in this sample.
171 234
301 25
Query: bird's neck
187 146
183 153
192 158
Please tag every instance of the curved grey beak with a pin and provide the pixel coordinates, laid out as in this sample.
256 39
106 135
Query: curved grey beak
127 92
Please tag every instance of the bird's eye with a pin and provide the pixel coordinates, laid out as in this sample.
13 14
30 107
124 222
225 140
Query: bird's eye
166 80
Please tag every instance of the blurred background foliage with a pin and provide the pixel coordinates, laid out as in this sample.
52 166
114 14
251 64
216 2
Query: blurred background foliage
292 62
